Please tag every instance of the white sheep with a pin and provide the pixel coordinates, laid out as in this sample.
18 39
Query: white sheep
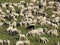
6 42
54 25
53 32
26 42
13 23
1 23
22 37
41 30
7 11
19 43
33 33
1 41
56 43
33 1
43 40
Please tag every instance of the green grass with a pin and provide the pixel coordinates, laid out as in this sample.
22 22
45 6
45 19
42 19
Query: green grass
13 1
4 36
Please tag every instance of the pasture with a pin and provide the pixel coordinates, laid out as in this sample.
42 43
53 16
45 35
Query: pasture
33 40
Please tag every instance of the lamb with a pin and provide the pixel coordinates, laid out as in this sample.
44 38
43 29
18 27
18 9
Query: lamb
7 11
1 23
22 37
3 6
6 42
12 30
38 32
53 32
33 1
13 23
9 29
43 40
1 42
26 42
19 43
33 33
41 30
54 25
56 43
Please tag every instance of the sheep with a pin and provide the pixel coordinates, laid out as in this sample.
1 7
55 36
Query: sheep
9 29
37 32
26 42
33 1
21 14
31 26
1 42
15 14
20 24
43 3
3 6
13 23
53 32
33 33
12 30
49 7
22 2
7 11
1 23
56 43
52 16
30 4
15 31
41 30
50 3
57 19
43 40
6 23
15 4
54 25
19 43
22 37
6 42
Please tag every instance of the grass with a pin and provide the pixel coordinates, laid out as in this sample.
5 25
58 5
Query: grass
4 36
13 40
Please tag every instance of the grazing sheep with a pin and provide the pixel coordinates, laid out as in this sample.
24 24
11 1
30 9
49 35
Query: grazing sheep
56 43
26 42
1 23
1 42
53 32
41 30
12 30
55 26
13 23
33 33
33 1
19 43
32 26
43 40
22 37
37 32
6 42
9 29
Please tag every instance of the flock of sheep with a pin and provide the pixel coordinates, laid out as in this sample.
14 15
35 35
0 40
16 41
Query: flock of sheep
28 15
